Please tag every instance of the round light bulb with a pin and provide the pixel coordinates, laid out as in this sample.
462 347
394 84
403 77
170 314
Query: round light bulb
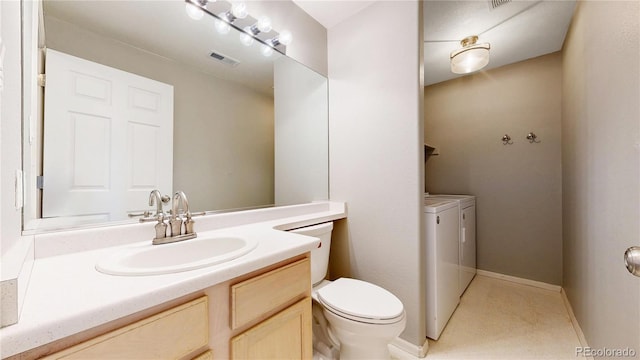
245 38
264 24
239 10
222 27
285 37
267 50
194 11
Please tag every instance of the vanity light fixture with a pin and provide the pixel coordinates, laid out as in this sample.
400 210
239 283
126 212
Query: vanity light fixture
238 11
222 27
225 19
284 38
194 9
237 16
267 50
262 25
471 57
246 37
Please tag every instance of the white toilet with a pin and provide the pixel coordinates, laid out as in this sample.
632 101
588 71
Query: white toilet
356 317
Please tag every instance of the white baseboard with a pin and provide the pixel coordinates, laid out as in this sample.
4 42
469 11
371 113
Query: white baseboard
538 284
574 321
413 351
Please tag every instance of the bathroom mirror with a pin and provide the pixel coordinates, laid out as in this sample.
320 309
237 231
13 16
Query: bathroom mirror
245 126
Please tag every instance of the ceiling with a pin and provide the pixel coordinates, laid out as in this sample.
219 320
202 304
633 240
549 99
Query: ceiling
143 24
517 30
331 12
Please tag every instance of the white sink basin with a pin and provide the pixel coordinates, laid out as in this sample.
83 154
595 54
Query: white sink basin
147 259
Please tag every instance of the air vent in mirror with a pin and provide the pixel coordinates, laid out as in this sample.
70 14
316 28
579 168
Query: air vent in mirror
497 3
224 59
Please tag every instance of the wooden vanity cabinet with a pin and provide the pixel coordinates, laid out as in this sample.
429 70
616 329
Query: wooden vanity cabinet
265 314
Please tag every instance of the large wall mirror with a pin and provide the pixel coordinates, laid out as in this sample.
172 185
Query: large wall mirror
139 96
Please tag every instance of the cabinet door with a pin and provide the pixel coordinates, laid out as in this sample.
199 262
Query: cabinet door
286 335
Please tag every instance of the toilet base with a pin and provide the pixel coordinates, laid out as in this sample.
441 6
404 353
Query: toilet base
362 340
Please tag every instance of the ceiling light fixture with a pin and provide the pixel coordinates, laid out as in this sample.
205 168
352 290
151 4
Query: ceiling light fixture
471 57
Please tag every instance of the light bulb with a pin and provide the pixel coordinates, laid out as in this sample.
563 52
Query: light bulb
245 38
285 37
239 10
264 24
194 11
267 50
222 27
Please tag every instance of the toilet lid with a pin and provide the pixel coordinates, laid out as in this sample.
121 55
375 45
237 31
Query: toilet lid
361 301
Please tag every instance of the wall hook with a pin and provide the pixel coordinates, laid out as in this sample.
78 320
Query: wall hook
533 138
506 140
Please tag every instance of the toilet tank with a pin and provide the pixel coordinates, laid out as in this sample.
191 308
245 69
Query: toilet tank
319 255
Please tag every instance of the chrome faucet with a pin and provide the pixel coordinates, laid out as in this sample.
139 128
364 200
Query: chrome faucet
180 202
155 198
179 199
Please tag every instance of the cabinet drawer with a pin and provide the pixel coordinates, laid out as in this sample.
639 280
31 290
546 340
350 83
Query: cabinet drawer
171 334
252 298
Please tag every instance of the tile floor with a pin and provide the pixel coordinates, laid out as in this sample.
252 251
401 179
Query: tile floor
498 319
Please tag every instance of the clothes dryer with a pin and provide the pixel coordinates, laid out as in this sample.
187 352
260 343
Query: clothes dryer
442 257
467 215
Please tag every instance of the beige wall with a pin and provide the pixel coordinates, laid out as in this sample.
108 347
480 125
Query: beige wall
301 134
376 160
518 187
223 131
309 46
601 185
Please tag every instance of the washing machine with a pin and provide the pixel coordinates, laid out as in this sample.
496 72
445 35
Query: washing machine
467 214
442 226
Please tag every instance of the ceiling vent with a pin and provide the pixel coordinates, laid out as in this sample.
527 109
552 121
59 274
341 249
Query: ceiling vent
497 3
224 59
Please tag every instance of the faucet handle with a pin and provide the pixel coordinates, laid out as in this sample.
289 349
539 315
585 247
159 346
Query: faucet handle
161 227
188 224
176 226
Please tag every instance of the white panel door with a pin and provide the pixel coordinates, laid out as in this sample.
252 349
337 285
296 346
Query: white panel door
107 139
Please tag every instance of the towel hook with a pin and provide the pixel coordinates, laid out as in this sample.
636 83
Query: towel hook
506 140
533 138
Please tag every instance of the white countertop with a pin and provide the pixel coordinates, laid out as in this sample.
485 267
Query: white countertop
66 295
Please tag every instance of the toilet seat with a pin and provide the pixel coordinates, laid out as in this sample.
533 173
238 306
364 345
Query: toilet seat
361 301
